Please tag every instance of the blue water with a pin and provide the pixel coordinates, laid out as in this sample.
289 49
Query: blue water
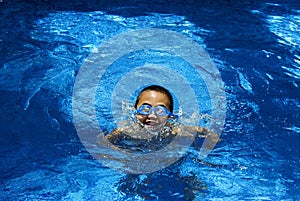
254 45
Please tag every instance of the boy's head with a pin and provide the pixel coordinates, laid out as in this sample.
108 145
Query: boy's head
153 101
159 89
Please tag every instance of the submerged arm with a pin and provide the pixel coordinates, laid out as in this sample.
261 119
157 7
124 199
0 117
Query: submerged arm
198 131
134 131
114 135
212 138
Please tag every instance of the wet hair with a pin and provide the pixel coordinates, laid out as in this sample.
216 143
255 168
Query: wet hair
160 89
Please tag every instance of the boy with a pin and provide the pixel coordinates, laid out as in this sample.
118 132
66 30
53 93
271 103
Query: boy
152 129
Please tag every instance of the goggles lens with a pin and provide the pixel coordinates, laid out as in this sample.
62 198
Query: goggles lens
158 110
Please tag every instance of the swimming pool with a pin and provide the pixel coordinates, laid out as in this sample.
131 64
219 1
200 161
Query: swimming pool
255 47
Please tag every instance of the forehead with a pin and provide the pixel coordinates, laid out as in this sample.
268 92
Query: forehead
154 98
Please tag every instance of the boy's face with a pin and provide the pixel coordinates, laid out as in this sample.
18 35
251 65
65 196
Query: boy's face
153 98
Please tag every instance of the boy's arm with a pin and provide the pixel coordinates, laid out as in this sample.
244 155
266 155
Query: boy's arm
212 137
198 131
114 135
206 133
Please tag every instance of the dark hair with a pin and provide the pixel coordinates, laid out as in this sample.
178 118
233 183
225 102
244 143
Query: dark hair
158 89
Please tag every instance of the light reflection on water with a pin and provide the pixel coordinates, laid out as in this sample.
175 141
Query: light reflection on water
258 56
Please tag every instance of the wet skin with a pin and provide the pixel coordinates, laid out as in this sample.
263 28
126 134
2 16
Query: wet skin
153 98
154 124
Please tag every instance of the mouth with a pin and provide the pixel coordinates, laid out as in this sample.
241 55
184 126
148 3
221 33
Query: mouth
150 123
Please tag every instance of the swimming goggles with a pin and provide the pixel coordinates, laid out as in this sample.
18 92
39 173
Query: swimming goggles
158 110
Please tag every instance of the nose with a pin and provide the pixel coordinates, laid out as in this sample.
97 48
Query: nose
152 114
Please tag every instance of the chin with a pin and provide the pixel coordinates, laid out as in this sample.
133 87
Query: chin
153 128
